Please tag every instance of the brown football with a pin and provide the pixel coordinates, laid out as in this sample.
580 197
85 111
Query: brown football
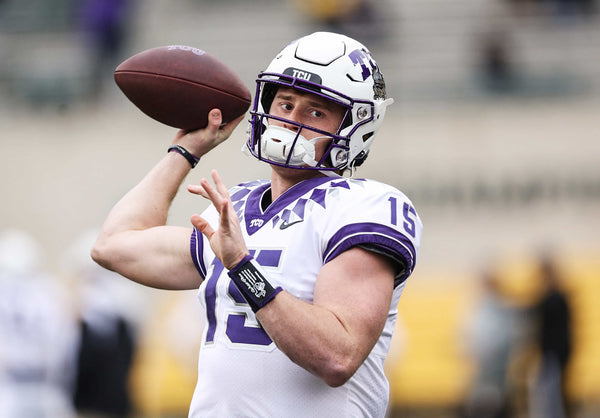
178 85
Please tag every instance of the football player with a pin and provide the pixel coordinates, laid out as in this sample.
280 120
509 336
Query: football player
299 275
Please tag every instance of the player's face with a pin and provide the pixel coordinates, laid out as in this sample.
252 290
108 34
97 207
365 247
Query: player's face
308 109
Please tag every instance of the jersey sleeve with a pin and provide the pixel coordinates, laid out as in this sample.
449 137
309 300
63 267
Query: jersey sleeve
199 246
378 218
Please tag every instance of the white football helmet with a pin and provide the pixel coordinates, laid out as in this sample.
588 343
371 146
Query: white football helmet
334 67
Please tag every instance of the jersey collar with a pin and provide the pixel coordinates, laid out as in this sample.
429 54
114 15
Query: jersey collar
254 216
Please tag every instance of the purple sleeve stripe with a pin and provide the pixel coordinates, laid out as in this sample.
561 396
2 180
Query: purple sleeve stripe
388 240
196 250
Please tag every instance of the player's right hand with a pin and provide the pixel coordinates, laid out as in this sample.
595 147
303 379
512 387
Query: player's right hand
201 141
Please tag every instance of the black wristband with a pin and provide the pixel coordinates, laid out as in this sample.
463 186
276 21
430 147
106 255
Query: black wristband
192 159
252 283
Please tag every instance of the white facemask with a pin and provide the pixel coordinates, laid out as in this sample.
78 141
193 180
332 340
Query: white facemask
277 141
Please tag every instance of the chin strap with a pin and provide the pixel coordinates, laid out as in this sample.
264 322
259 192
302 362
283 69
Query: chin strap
329 173
352 169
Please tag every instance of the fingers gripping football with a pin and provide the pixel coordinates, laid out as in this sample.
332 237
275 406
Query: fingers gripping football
226 241
201 141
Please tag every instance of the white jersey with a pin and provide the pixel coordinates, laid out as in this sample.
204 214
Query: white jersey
241 373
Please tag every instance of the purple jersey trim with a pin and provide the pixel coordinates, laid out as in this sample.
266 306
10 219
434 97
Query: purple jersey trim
196 244
387 240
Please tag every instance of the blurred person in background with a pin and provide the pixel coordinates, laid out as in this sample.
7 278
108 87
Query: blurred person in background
109 314
300 275
491 335
554 341
105 25
498 72
38 334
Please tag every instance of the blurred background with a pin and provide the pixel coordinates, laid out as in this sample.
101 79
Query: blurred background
493 135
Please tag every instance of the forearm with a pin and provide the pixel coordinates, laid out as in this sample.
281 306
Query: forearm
147 204
312 337
332 336
135 240
130 242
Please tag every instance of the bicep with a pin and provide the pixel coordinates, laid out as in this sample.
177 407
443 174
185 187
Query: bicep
357 287
158 257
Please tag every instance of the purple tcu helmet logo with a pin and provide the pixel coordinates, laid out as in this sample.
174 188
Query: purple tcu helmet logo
369 67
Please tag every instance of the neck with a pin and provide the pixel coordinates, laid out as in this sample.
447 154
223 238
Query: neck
284 178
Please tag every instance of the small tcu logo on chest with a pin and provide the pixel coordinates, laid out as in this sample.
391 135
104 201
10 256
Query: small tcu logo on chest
256 223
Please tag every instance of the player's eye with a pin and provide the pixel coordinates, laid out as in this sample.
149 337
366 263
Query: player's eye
316 113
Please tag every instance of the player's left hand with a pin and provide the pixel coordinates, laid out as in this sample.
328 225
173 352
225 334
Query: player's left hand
227 241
